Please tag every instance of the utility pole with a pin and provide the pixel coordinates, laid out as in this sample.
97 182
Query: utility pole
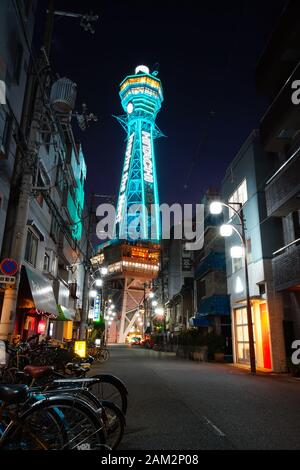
86 283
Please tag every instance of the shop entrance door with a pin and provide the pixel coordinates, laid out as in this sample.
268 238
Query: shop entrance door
265 334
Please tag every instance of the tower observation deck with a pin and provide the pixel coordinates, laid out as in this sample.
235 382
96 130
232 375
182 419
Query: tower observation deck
133 257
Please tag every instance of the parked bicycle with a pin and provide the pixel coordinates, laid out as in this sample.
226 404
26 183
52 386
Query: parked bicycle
31 421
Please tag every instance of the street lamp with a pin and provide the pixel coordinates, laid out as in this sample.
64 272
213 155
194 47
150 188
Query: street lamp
154 303
215 208
99 282
93 293
159 311
226 230
237 252
104 271
151 295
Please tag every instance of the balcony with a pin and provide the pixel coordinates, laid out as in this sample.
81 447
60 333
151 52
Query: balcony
281 53
283 189
286 267
215 305
282 119
212 262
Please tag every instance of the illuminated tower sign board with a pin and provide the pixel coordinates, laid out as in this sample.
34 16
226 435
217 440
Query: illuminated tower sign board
141 97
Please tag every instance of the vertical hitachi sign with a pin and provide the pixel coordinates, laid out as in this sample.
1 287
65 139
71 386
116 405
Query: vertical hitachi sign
125 177
147 157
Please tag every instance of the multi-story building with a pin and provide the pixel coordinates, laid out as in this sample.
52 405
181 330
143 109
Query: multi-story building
212 300
244 184
50 243
178 275
14 63
277 77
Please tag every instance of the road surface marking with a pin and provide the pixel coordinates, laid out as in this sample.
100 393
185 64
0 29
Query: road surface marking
218 431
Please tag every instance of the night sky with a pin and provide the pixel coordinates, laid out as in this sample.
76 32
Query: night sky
206 52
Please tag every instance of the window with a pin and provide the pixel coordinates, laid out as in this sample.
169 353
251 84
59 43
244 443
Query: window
60 177
54 265
6 134
262 288
54 229
40 199
239 196
296 223
46 134
249 250
237 264
31 248
242 338
46 262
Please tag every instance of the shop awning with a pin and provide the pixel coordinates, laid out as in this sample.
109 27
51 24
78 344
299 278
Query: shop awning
65 314
201 320
42 293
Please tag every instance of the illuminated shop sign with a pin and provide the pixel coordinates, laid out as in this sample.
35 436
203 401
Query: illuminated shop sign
125 177
147 157
97 308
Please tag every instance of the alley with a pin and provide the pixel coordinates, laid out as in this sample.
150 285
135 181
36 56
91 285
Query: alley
178 404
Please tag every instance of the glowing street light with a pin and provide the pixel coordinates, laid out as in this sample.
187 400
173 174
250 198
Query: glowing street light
159 311
154 303
215 208
226 230
99 282
104 271
93 293
151 295
237 252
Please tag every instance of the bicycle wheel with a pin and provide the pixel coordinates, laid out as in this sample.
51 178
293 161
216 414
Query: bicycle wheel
78 426
103 355
113 419
109 388
114 422
38 430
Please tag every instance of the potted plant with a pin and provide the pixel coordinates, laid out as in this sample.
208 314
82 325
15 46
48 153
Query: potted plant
216 347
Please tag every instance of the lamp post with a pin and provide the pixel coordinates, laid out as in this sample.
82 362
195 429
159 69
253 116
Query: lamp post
95 284
216 208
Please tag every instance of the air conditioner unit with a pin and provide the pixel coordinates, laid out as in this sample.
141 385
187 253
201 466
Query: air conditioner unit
63 95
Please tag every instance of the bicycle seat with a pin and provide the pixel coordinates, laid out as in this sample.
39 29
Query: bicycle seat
38 371
13 393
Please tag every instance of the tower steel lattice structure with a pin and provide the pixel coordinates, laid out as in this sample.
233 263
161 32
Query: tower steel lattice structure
133 257
137 215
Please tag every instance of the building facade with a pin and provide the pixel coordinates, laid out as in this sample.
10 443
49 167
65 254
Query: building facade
44 225
211 298
14 64
277 78
179 284
244 184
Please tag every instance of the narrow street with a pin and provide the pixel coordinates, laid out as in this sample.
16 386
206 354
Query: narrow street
178 404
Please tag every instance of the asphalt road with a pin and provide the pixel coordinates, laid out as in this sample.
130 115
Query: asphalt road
175 404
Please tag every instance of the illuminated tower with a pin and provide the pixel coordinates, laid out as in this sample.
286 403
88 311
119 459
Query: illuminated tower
132 257
141 97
